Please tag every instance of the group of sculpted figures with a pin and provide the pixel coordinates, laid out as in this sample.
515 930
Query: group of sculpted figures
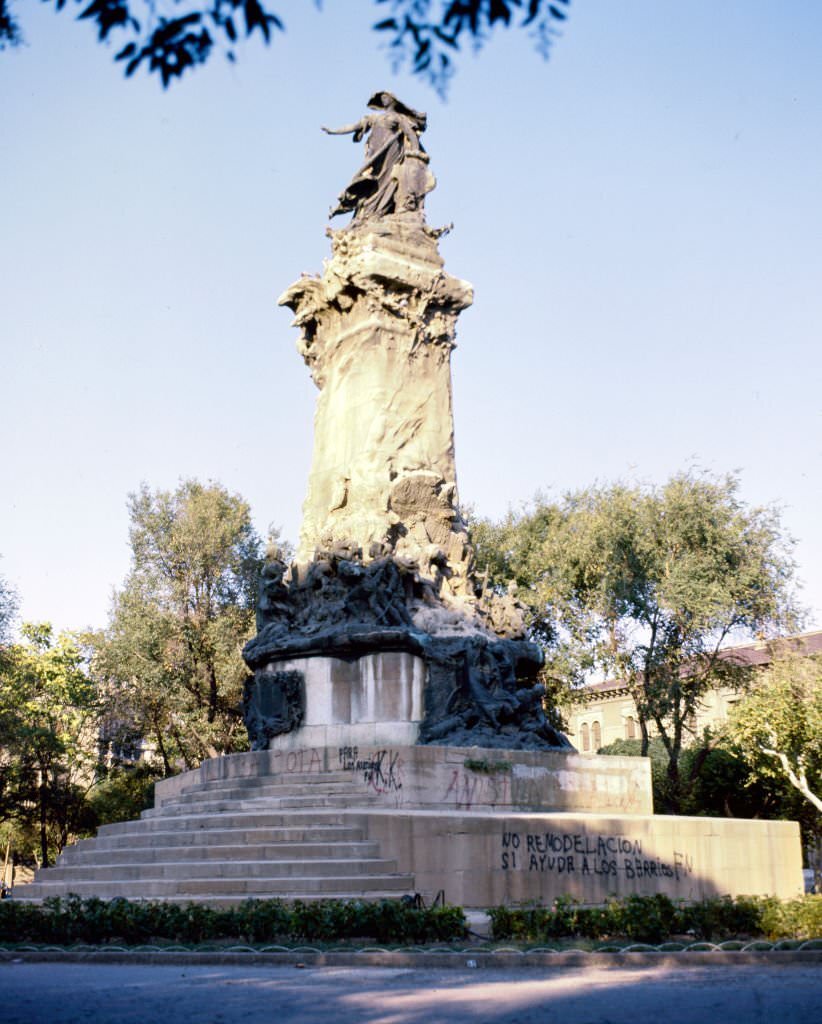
481 689
482 673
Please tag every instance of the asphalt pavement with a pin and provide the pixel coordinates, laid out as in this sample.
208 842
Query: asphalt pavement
93 993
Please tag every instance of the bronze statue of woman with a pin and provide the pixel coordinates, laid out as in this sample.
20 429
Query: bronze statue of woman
395 176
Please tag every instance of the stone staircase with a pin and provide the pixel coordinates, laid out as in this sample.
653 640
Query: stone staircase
229 840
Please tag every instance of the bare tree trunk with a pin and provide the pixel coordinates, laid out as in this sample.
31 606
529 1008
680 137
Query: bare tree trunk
161 747
212 691
815 861
797 778
44 845
643 729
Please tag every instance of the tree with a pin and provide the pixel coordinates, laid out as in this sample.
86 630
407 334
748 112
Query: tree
647 584
8 609
778 725
189 31
48 735
170 659
716 781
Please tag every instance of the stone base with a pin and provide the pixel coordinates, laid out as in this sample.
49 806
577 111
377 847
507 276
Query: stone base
375 684
487 860
375 700
488 827
494 827
444 778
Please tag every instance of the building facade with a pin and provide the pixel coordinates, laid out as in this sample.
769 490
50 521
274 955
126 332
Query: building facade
607 711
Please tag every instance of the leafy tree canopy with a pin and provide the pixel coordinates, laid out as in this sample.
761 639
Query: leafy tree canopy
717 781
8 608
647 584
168 38
170 660
48 735
779 725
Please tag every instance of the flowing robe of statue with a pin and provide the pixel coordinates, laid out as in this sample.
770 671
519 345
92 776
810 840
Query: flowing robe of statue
395 176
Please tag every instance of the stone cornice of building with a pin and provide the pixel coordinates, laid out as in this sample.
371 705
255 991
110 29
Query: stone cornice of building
753 655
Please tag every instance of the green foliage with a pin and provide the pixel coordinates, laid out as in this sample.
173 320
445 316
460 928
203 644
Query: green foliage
168 46
170 660
429 44
645 918
778 726
124 793
794 919
717 781
48 719
653 919
72 920
8 608
778 729
645 584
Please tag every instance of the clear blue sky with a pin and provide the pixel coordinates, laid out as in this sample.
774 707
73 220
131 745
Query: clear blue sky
640 218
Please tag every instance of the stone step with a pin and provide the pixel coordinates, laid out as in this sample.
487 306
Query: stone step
154 853
205 837
217 901
268 789
247 819
186 870
275 778
330 886
209 804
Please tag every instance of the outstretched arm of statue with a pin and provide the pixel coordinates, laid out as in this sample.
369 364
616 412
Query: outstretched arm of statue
357 129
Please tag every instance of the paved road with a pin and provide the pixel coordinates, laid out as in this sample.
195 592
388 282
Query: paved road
66 993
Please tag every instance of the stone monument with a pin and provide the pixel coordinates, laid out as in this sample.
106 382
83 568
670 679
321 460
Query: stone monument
400 742
381 621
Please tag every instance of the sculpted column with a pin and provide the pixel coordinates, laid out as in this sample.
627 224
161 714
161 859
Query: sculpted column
380 631
377 334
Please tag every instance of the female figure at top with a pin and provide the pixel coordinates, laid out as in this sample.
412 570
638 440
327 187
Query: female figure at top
395 176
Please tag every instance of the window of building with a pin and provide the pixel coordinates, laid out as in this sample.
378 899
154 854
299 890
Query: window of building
630 728
596 734
586 739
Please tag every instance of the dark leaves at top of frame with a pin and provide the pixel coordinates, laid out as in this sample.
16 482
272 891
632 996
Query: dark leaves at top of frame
10 34
109 14
425 43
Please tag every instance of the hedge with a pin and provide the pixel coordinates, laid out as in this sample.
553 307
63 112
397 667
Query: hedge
653 919
648 919
72 920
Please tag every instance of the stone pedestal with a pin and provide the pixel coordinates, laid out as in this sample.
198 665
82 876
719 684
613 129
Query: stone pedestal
377 334
385 563
368 701
497 827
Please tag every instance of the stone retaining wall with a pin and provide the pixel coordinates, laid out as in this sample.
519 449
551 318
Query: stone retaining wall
483 860
450 778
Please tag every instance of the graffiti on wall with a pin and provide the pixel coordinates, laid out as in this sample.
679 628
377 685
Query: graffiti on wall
578 853
381 770
296 762
467 788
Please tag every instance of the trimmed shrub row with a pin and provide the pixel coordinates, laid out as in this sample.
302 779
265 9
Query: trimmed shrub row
649 919
653 919
72 919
